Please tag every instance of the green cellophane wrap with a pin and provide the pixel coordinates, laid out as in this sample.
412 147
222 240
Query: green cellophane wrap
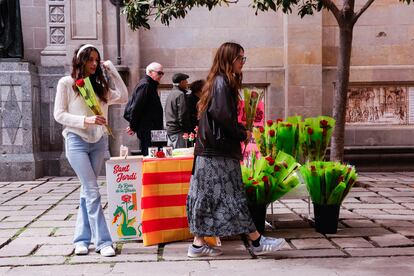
269 179
328 183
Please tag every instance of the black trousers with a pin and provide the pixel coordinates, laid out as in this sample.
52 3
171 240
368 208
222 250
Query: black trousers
145 138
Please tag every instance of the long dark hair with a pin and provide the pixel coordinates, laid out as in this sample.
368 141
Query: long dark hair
225 56
99 83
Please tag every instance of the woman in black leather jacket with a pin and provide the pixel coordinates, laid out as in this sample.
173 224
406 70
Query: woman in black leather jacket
216 201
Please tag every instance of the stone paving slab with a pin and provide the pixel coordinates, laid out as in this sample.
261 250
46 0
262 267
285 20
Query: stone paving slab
231 250
375 219
311 243
395 251
165 268
392 240
352 242
54 250
62 270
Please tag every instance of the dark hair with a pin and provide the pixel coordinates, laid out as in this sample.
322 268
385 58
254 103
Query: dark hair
99 83
197 86
222 65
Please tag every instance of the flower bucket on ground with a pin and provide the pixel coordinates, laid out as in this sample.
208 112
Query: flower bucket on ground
267 179
328 184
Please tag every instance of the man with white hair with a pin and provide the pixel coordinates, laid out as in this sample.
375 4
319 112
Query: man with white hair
144 110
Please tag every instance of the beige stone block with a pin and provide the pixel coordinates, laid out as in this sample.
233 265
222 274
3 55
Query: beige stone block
265 19
28 18
196 18
328 19
254 77
305 75
304 54
263 57
303 111
276 77
296 96
330 56
194 57
330 36
40 38
313 96
226 17
164 56
308 34
208 37
257 37
295 19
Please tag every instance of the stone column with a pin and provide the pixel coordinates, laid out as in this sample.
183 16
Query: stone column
20 122
303 65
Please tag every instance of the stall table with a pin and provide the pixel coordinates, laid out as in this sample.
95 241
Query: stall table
165 184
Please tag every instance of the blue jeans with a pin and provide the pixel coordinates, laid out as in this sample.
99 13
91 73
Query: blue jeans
86 160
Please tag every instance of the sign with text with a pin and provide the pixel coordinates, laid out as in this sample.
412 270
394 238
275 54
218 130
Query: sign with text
124 181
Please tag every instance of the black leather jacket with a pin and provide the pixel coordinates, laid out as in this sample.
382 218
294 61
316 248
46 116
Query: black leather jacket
219 133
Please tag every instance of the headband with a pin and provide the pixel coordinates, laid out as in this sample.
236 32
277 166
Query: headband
83 48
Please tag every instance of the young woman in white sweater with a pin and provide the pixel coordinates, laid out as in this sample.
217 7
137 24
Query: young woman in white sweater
85 141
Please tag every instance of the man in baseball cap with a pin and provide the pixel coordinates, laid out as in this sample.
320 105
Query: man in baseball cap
176 114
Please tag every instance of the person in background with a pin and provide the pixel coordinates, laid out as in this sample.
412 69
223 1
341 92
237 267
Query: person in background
144 110
192 100
176 114
85 141
216 202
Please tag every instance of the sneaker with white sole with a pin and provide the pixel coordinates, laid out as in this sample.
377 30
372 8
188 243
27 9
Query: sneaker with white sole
268 245
204 251
107 251
81 250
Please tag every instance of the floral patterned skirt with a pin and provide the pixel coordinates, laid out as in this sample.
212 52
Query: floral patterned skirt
216 201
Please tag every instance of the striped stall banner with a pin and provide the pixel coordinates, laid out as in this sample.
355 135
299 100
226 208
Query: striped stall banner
165 184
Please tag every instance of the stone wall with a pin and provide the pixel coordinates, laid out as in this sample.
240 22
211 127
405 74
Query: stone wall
293 58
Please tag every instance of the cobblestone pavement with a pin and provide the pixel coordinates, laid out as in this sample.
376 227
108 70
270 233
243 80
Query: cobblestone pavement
376 234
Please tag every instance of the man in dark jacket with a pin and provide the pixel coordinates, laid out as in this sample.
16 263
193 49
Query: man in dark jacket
176 114
144 110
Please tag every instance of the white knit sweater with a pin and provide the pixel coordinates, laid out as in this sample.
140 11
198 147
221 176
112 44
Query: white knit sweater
71 109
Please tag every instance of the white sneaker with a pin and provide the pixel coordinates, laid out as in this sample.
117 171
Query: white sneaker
107 251
81 250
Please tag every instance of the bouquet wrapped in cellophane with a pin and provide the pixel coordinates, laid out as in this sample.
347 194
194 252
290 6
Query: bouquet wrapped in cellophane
328 183
251 98
314 136
88 94
278 136
267 179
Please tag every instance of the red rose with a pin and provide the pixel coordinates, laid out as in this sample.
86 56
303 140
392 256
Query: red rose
250 178
310 131
80 83
341 178
269 122
261 129
126 198
271 133
279 120
255 183
265 179
324 123
254 95
185 136
160 154
288 125
276 168
270 160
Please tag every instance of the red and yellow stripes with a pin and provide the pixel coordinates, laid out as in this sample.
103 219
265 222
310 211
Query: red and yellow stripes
165 184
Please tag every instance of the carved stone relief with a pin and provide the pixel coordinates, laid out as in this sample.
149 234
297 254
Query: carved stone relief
386 104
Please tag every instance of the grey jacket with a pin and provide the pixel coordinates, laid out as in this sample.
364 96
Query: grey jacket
176 114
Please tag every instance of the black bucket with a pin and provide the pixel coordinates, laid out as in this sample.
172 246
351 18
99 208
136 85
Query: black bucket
258 213
326 218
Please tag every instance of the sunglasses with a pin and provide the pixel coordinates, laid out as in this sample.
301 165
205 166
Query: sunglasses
160 73
241 58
